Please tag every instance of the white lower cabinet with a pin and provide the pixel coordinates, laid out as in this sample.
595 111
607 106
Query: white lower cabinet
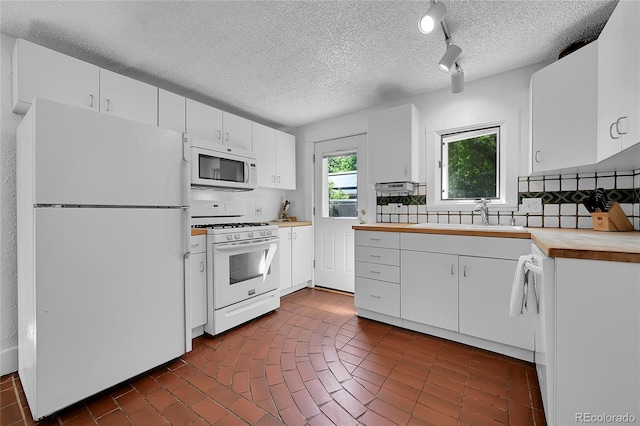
456 287
597 342
198 282
430 288
377 273
484 298
296 257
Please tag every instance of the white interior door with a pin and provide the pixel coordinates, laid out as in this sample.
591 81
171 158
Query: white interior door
340 193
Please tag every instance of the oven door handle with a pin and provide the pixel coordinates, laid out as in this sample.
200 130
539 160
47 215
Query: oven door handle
273 247
242 246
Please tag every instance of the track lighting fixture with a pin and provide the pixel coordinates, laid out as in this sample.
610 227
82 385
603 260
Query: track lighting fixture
457 82
434 15
450 57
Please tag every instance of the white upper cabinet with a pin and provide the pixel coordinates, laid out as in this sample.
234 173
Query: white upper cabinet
286 160
619 80
204 124
127 98
264 147
237 131
393 138
171 111
564 112
209 126
276 155
45 73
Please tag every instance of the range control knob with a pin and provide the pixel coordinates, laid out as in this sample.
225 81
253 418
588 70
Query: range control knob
250 234
262 233
229 237
236 236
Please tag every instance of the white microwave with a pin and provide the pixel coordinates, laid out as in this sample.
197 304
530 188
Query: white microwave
223 167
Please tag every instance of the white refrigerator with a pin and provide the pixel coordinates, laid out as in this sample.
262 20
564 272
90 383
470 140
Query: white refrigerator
103 223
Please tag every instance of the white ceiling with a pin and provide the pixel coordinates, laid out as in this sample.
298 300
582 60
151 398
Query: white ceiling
290 63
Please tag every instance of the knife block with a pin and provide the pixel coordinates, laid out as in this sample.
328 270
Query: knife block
612 220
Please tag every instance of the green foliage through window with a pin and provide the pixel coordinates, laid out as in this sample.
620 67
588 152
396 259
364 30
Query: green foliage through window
471 166
346 163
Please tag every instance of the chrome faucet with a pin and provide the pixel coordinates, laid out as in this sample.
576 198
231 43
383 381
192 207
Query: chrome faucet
483 209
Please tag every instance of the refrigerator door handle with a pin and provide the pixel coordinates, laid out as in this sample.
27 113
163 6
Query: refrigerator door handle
186 165
186 261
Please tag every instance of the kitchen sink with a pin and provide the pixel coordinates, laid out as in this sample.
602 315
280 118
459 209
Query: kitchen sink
470 227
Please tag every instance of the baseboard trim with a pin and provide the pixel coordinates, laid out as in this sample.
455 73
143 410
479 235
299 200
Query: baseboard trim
9 361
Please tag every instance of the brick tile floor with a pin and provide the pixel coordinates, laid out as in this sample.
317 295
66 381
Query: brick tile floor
312 362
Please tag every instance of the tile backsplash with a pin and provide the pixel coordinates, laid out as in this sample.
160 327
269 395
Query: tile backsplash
561 199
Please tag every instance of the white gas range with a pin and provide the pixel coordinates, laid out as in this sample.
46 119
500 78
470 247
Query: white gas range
242 267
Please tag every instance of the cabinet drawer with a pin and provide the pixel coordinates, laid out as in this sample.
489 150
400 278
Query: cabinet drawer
378 272
198 244
378 239
377 296
378 255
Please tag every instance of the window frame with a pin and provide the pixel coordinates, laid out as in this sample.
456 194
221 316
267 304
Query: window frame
506 200
448 139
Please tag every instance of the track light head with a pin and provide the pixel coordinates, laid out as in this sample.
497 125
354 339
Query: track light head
450 57
434 15
457 82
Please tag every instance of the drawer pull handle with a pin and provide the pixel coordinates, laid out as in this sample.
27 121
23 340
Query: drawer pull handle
452 269
464 271
375 296
375 239
375 272
374 255
195 245
201 266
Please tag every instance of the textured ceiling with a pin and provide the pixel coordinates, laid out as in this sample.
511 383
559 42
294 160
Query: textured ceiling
290 63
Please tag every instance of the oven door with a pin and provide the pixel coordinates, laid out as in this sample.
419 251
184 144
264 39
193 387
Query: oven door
243 270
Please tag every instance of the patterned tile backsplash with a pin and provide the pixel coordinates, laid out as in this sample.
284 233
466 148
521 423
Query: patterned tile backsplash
561 196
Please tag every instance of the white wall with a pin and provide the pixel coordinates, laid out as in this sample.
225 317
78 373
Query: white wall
8 266
500 97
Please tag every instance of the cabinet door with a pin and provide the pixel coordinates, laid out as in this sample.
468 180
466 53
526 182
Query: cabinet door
237 131
301 254
198 289
429 288
45 73
264 147
619 80
127 98
204 124
171 111
377 296
285 258
285 160
485 295
564 112
393 144
598 330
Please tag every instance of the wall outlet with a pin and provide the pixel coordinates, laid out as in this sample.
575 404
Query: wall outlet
258 211
395 207
531 205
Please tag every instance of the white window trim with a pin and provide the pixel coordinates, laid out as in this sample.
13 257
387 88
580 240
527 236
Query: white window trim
507 200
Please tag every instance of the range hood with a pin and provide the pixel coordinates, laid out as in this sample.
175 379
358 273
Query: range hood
405 188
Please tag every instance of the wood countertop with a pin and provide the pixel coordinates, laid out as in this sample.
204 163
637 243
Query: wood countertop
566 243
497 231
290 224
588 244
198 231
